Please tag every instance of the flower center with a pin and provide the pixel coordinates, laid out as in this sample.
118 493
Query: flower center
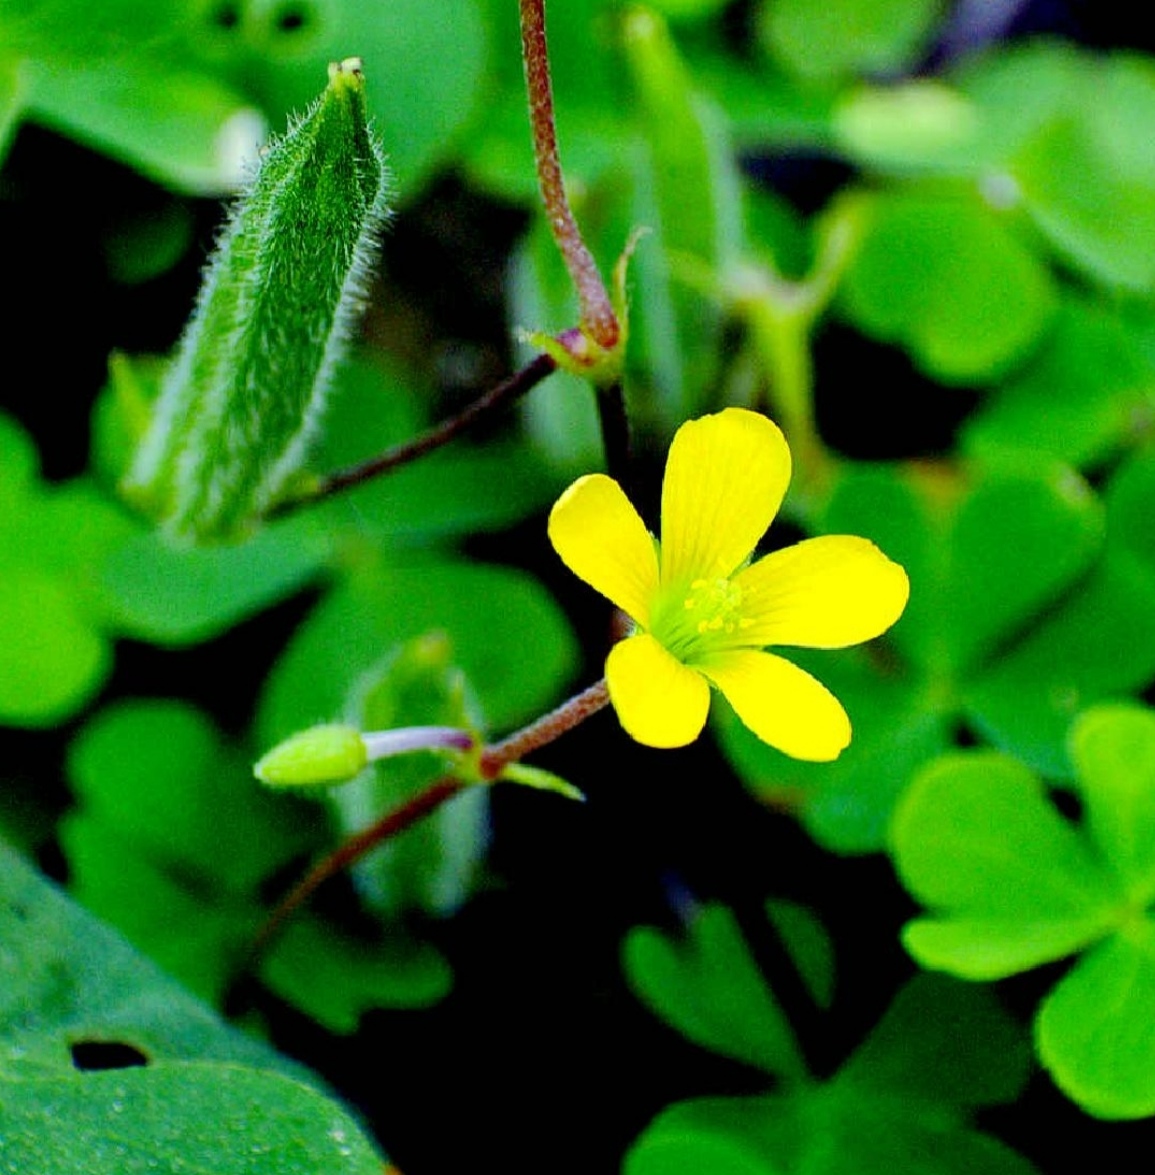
700 618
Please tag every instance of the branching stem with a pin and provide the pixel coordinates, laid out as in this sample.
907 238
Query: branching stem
492 762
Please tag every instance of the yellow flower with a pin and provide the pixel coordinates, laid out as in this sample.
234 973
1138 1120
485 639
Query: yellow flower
704 614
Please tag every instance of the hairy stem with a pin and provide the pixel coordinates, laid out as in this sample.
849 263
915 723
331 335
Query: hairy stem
544 730
597 313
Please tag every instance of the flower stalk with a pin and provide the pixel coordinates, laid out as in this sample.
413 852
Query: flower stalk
599 322
489 765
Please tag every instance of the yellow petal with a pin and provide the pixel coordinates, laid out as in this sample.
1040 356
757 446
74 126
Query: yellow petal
725 479
823 593
660 702
783 705
602 540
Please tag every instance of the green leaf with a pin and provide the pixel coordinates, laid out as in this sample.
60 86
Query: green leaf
198 935
1083 395
715 1135
1098 643
921 124
1087 176
847 36
710 989
462 489
944 1040
1130 497
11 101
172 596
846 805
245 390
427 61
66 978
942 276
809 947
718 1135
1096 1032
72 29
434 865
335 978
1113 751
190 1116
976 838
52 660
19 463
831 1130
178 127
508 636
1018 539
688 192
897 1105
158 773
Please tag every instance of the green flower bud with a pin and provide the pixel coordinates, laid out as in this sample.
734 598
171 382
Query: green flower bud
243 395
318 757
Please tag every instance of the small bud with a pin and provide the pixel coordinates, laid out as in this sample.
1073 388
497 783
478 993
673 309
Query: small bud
318 757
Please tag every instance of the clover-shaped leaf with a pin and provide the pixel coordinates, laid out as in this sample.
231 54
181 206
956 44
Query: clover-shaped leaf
335 977
996 557
508 636
1065 135
946 279
976 838
1085 393
941 1048
1012 884
710 989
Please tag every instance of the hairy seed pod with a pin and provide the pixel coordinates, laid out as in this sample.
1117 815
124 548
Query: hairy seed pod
280 295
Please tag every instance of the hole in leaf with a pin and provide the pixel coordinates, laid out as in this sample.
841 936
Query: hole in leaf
93 1055
292 18
227 15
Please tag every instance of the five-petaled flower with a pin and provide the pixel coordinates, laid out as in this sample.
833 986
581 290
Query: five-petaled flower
703 613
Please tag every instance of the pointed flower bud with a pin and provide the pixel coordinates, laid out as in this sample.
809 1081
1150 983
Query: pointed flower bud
241 399
318 757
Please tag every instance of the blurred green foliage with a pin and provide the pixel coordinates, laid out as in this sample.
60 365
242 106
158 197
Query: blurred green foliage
983 234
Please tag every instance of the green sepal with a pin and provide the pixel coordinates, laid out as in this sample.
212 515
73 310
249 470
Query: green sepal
540 780
242 397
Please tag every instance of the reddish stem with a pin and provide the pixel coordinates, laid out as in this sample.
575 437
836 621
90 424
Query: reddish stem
597 313
547 728
352 850
516 385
